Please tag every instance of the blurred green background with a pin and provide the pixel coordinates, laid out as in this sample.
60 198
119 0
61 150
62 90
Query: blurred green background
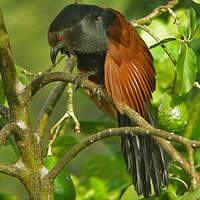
27 23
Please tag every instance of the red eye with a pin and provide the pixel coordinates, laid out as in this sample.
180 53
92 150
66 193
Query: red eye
62 37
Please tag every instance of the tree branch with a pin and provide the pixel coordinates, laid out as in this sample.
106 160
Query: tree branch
91 140
174 154
156 12
41 81
13 88
134 116
7 69
158 40
118 132
10 128
194 183
9 170
49 69
52 99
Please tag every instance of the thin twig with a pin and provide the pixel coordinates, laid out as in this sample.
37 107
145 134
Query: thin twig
176 20
157 12
196 84
164 41
194 183
158 40
36 74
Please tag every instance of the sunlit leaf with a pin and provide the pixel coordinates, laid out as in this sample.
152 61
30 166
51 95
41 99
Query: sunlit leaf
196 1
99 187
193 195
192 20
130 194
196 34
186 69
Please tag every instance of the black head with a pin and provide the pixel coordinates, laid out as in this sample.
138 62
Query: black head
79 28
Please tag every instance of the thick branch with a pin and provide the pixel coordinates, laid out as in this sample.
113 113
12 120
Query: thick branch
26 142
10 128
134 116
41 81
118 132
7 68
88 141
9 170
156 12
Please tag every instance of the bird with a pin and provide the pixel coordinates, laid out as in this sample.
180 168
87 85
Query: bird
110 52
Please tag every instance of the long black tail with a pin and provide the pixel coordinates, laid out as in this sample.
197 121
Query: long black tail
145 160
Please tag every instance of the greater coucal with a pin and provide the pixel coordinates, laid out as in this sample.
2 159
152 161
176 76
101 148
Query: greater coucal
110 49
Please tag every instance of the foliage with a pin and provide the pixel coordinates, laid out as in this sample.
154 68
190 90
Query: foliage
104 175
183 50
63 185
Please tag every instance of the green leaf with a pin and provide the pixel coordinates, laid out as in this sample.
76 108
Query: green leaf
63 184
8 197
184 22
91 127
192 20
99 187
65 141
108 169
186 70
196 1
196 34
62 145
194 195
130 194
64 188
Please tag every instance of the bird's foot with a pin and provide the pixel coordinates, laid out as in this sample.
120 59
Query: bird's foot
96 91
82 76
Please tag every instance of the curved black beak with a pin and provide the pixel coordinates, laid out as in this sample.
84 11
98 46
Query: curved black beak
53 54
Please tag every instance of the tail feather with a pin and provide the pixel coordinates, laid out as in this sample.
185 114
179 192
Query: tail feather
145 160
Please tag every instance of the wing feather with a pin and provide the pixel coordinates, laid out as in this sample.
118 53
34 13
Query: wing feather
129 72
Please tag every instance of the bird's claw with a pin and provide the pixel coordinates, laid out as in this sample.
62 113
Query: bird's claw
97 89
79 78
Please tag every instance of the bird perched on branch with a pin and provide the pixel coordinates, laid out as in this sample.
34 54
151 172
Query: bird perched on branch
110 51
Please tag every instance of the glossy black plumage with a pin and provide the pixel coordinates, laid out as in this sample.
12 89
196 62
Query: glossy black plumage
104 42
